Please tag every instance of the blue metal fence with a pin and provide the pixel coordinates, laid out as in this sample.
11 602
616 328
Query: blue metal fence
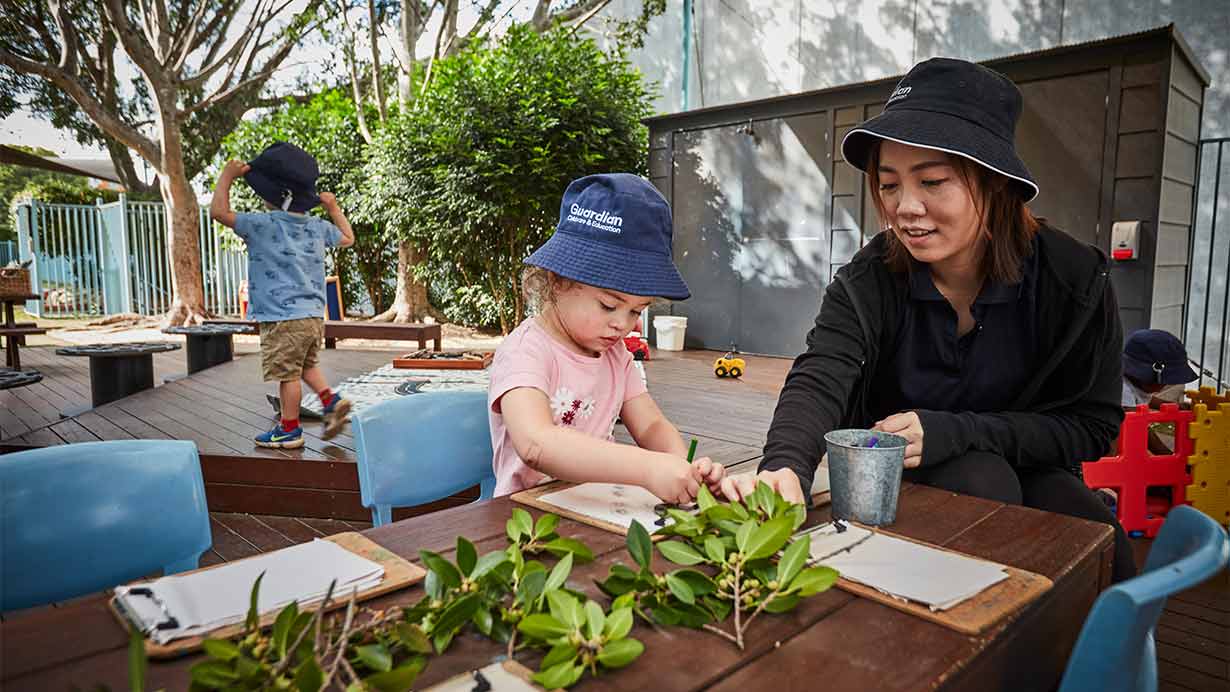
93 260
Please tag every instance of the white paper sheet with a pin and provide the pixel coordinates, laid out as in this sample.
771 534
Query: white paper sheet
214 598
612 502
936 578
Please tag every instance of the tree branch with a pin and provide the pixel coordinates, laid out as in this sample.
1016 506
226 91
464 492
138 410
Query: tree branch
230 56
577 10
68 47
138 49
377 77
542 15
108 121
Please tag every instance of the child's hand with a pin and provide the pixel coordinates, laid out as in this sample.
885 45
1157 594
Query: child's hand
710 473
235 168
327 200
673 480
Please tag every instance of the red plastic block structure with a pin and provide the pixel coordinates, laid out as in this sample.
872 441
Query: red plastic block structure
1134 470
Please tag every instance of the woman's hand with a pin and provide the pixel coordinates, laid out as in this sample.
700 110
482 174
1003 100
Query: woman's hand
673 480
710 473
784 481
908 426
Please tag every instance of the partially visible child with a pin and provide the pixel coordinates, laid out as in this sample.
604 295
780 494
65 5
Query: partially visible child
286 277
562 377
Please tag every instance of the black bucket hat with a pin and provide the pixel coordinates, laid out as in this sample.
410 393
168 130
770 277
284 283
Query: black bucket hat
285 176
953 106
1154 356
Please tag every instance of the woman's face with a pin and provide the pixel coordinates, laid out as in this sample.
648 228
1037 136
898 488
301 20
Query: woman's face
931 209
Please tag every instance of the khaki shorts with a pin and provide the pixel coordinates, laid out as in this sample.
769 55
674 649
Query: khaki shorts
288 348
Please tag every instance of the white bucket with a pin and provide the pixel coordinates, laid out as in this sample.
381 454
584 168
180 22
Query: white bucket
670 331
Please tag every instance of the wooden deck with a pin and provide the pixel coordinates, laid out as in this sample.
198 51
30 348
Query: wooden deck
221 408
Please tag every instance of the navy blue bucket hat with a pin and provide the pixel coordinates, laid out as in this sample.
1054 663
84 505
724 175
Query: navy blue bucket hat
285 176
1154 356
614 232
953 106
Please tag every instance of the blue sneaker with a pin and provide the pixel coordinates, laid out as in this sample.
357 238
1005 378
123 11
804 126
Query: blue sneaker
336 414
281 439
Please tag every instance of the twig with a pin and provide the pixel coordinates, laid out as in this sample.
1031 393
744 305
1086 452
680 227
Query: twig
290 652
512 643
343 639
722 633
738 605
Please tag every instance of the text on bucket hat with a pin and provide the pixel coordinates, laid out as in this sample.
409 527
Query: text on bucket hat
614 232
953 106
1155 356
285 176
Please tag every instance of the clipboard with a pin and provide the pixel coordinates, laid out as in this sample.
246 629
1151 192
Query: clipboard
399 573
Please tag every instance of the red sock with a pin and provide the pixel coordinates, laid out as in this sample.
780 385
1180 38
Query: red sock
326 396
289 424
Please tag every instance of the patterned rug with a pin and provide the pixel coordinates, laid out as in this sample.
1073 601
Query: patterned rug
387 382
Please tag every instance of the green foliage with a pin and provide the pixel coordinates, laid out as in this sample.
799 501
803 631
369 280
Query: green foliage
736 543
474 172
326 127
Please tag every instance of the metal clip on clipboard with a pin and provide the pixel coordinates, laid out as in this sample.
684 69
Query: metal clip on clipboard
169 623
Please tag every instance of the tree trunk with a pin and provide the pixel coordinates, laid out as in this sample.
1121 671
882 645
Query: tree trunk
410 304
184 222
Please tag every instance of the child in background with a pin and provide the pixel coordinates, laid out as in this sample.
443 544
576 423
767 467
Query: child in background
286 273
562 377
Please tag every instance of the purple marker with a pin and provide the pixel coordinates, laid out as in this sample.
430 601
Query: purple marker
873 442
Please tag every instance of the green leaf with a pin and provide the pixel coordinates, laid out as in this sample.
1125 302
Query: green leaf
764 497
768 538
813 580
781 604
445 571
715 549
559 574
595 618
639 545
561 546
399 680
413 638
531 587
281 628
546 524
566 608
220 649
620 652
704 499
559 676
627 600
309 677
680 588
513 529
794 557
487 563
482 620
137 662
254 617
524 522
618 623
680 553
213 674
375 656
467 556
456 614
699 582
543 626
745 532
559 654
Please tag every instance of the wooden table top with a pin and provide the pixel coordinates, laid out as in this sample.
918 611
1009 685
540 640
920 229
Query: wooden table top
833 641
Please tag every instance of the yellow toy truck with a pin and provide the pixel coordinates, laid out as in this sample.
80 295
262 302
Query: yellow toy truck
729 365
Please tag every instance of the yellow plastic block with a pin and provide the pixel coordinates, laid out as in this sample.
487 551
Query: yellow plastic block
1210 461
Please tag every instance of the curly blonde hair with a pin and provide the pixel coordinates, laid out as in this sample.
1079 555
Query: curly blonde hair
540 287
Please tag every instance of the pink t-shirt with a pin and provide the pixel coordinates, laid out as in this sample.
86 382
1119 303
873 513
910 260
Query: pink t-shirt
585 393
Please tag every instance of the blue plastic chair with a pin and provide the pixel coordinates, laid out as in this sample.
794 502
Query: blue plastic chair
1115 650
81 518
420 448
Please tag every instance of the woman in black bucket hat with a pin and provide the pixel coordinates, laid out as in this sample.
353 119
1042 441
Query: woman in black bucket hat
990 340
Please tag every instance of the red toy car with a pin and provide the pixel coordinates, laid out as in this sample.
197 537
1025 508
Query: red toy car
638 347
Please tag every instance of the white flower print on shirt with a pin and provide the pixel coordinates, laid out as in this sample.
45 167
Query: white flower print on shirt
566 407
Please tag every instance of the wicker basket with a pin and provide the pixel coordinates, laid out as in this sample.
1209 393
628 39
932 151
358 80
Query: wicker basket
14 282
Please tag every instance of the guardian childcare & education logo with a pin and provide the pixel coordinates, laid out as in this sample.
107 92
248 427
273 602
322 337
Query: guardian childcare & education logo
899 94
601 220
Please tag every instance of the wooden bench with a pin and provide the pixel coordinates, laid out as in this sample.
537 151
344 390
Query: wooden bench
14 338
336 330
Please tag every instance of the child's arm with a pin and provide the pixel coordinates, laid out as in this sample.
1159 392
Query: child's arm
574 456
329 202
220 204
651 430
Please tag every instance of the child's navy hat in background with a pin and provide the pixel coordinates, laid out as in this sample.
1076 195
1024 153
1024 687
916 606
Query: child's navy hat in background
1154 356
614 232
285 176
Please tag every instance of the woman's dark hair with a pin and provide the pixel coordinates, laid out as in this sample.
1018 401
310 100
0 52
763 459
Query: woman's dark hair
1008 223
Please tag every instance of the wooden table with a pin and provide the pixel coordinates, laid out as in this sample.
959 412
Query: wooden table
336 330
15 332
117 370
210 344
832 642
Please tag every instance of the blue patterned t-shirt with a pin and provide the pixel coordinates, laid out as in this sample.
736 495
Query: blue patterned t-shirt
286 264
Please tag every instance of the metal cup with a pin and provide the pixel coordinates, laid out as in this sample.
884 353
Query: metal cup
865 481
